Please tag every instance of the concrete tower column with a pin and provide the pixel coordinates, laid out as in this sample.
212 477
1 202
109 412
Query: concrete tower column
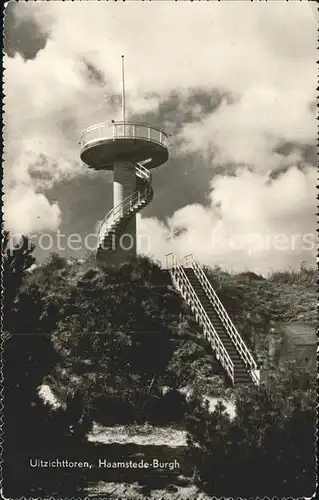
124 184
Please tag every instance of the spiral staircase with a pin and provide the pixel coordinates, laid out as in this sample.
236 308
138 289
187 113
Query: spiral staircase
121 147
114 223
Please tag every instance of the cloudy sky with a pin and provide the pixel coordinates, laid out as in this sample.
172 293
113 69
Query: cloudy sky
233 82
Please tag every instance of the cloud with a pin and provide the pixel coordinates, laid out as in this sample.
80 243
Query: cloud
25 38
254 62
27 211
251 223
249 130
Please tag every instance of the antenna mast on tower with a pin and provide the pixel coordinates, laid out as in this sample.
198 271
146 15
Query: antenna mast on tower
123 91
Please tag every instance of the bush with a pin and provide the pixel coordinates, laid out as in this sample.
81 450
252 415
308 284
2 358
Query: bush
268 449
30 426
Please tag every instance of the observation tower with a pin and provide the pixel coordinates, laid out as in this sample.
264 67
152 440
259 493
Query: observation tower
131 150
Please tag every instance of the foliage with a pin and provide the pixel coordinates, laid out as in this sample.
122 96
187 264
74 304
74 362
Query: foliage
107 340
117 330
126 327
193 364
284 296
305 275
17 258
255 303
29 356
268 449
114 333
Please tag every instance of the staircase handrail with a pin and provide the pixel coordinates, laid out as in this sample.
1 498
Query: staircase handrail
232 331
187 291
128 203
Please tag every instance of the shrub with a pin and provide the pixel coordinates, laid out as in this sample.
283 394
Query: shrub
268 449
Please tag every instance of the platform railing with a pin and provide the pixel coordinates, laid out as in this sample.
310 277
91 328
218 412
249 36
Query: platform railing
188 293
242 349
123 130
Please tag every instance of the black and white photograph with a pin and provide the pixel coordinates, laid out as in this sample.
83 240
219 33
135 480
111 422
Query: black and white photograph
159 250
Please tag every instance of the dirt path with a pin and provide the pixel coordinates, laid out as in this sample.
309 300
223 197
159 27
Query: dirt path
145 442
136 492
138 434
140 443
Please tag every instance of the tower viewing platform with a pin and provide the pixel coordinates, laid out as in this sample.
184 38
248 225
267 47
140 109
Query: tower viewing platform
106 143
